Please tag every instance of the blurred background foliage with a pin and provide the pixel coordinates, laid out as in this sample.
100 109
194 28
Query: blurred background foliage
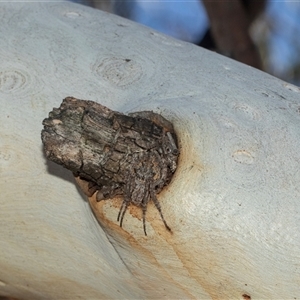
275 30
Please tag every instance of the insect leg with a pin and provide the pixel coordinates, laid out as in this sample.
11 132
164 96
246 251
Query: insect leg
125 203
144 208
157 205
124 208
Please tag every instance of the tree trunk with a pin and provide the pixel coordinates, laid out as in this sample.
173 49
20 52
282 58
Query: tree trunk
232 203
230 24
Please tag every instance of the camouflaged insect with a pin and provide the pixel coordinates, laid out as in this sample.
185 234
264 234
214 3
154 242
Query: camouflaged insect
131 155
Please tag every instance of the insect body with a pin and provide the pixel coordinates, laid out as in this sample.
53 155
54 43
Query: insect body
134 156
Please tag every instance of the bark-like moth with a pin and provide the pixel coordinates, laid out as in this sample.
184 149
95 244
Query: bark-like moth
132 155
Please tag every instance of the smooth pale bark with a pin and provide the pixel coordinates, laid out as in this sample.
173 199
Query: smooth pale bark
233 204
